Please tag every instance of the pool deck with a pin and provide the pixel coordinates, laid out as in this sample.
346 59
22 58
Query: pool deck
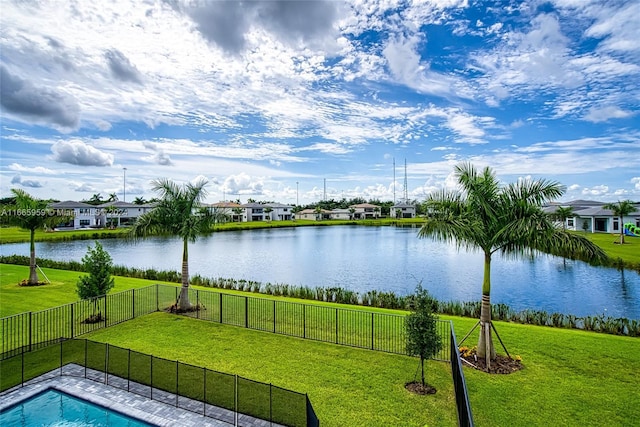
159 411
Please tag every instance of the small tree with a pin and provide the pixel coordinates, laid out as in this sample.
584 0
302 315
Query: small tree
421 327
97 262
268 212
621 209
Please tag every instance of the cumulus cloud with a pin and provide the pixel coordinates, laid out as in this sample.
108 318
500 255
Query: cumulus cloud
598 190
30 183
636 182
121 67
603 114
159 157
227 23
37 104
243 184
78 153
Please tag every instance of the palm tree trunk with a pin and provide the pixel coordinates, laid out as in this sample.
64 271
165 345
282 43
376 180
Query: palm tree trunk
486 350
621 231
183 301
33 272
422 363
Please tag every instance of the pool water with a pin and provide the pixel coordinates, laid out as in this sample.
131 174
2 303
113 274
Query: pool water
53 408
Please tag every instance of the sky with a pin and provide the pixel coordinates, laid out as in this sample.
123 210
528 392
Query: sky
295 101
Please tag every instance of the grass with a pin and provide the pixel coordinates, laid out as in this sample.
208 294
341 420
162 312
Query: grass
570 378
347 386
629 252
18 235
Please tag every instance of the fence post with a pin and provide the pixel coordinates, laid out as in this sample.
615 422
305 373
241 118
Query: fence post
22 374
270 403
60 357
177 381
105 311
151 375
220 306
274 316
128 369
157 297
30 329
372 326
304 321
133 303
72 321
197 304
246 312
106 365
235 402
336 326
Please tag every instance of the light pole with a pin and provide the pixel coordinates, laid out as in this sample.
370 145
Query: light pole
297 204
124 184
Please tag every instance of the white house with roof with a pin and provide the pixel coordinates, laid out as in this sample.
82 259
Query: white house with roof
279 212
81 215
590 216
344 214
402 210
365 211
118 213
232 210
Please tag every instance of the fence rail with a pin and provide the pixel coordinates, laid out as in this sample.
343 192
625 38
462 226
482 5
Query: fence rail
355 328
465 417
204 391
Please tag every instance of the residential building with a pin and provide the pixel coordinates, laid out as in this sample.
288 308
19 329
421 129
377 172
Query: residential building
232 210
365 211
590 216
403 210
79 214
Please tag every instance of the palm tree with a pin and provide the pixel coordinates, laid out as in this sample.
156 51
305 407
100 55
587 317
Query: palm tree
268 211
484 216
31 214
562 214
621 209
238 212
139 201
96 199
178 213
318 212
113 197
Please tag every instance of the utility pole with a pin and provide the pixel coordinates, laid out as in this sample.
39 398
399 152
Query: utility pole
297 202
394 181
406 197
124 184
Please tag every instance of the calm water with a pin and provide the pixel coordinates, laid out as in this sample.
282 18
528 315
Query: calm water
56 409
381 258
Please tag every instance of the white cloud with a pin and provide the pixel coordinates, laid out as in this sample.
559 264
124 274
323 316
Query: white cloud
597 190
76 152
38 169
598 115
243 184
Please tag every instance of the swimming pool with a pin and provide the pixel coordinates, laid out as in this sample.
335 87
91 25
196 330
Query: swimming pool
53 408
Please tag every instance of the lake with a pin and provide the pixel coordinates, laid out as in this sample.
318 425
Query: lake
381 258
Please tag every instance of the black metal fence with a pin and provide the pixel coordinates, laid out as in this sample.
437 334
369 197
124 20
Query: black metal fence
465 418
210 393
355 328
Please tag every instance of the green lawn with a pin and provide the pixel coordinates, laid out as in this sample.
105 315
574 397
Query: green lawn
629 252
570 378
347 386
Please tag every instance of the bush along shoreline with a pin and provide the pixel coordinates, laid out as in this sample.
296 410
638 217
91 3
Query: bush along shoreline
373 298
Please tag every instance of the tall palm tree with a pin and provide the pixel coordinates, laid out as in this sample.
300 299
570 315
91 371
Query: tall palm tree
31 214
178 213
483 215
621 209
139 201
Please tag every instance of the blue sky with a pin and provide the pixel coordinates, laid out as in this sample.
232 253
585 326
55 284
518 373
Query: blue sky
270 100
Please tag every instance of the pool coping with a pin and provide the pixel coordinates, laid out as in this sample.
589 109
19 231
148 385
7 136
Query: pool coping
154 411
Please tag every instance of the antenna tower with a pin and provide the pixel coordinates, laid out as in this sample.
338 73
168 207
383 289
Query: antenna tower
406 198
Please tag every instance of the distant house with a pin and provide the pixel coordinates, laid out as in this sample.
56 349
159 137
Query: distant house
590 216
116 214
313 215
280 212
229 209
403 210
365 211
81 215
341 214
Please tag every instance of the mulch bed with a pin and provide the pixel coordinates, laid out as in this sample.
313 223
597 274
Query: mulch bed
417 388
26 283
501 364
